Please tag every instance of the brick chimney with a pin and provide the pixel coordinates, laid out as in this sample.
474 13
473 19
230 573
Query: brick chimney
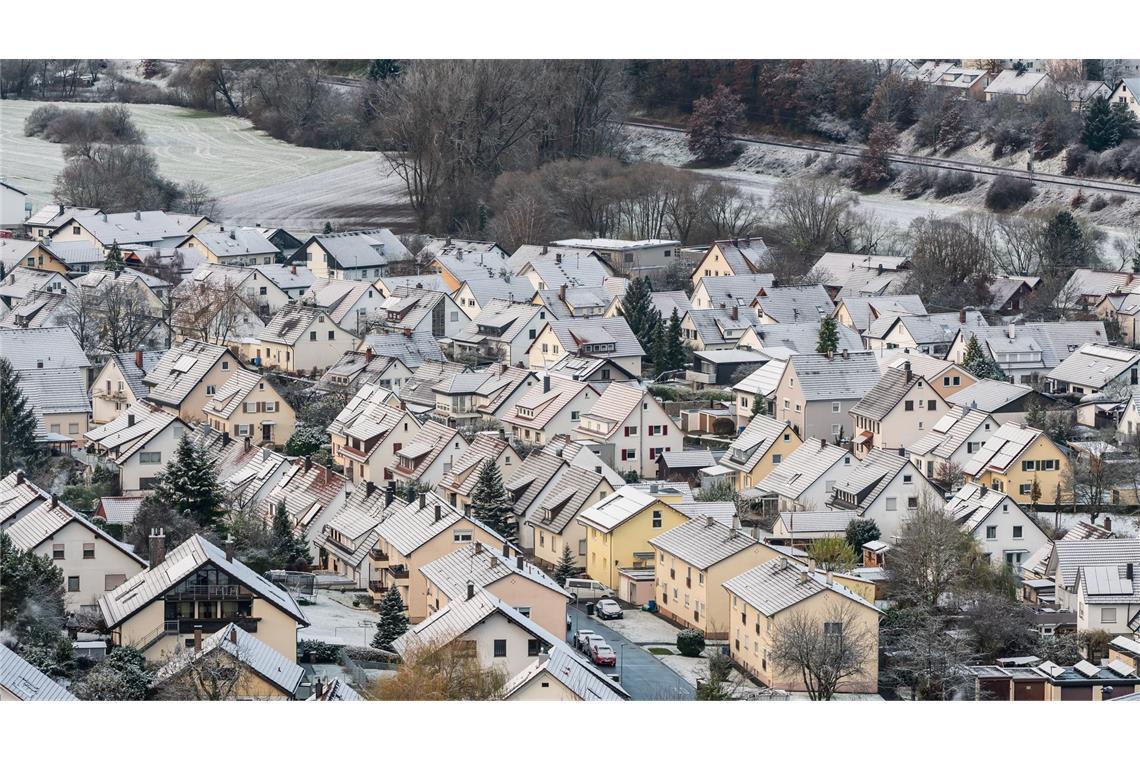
906 371
229 548
368 354
293 270
369 487
233 633
157 545
197 639
470 590
438 514
308 463
562 292
138 359
962 316
423 501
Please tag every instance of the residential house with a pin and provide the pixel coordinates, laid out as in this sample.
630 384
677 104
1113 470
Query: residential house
90 561
1019 85
630 258
596 370
457 485
593 337
263 673
797 338
763 445
52 374
368 434
346 543
801 529
951 442
1094 367
853 274
119 384
1014 458
140 442
765 597
945 377
1086 287
721 366
291 279
459 261
580 301
432 282
31 254
724 292
40 308
50 216
187 376
552 525
311 494
805 303
860 312
18 497
237 246
804 479
22 284
1027 352
151 228
118 510
725 258
618 530
926 333
522 585
1006 402
13 206
709 329
302 338
359 255
684 465
476 293
430 455
964 82
1127 91
198 587
693 562
576 269
550 409
249 405
816 392
565 676
502 331
225 305
632 425
895 412
1008 293
1003 530
886 488
760 384
352 304
418 311
20 681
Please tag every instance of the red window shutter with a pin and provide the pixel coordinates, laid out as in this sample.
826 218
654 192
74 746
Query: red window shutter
665 431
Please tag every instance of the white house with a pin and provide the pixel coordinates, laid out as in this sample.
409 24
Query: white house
1001 527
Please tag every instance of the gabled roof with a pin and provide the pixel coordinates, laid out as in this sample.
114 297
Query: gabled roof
1013 82
803 337
887 393
138 592
233 393
571 670
1002 449
460 616
1094 365
703 542
688 459
133 429
572 487
510 318
804 466
576 334
482 565
340 297
306 489
750 446
413 350
763 380
426 446
537 471
1044 345
465 472
291 323
988 395
804 303
359 249
236 241
544 404
509 289
54 347
820 521
251 651
336 690
734 290
181 368
716 326
839 269
54 391
1071 556
287 277
27 682
948 434
16 494
927 329
571 271
48 518
745 254
372 412
779 584
119 510
409 526
973 503
870 477
838 377
864 310
617 402
134 374
617 508
135 226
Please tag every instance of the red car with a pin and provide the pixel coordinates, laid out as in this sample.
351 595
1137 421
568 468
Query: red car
603 654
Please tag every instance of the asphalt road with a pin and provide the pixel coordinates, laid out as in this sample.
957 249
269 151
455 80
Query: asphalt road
643 675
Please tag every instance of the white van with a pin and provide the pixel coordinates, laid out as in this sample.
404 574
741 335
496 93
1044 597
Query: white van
587 590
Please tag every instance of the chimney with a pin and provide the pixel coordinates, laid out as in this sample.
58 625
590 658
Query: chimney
478 547
811 565
962 316
157 544
830 578
247 444
423 500
319 688
845 354
54 501
293 270
19 477
229 548
61 208
197 639
1012 332
545 248
138 216
470 590
654 488
308 463
783 564
558 258
1107 522
708 521
803 576
368 354
546 383
519 563
735 312
369 487
389 493
506 549
225 438
562 292
233 633
138 359
1129 573
906 371
130 420
438 515
502 434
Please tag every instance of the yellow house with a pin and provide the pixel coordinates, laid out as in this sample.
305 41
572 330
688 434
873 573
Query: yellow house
516 582
729 257
187 376
756 452
262 673
198 587
247 405
693 561
618 529
30 254
780 592
1015 457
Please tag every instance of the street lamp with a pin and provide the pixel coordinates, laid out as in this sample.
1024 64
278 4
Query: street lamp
621 661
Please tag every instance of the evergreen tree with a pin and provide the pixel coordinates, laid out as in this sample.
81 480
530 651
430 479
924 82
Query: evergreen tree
675 348
189 484
978 364
327 230
290 551
1101 130
380 69
860 531
659 350
114 262
18 449
490 504
393 621
1126 124
759 405
565 567
639 311
31 587
828 336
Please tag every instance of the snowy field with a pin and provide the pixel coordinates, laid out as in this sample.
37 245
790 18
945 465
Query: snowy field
258 179
644 628
335 620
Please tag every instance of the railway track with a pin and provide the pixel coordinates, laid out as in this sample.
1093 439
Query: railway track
1107 186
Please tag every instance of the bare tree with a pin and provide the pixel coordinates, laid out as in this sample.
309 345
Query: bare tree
211 312
931 557
952 265
1089 482
825 650
448 672
79 313
921 656
809 209
128 317
218 675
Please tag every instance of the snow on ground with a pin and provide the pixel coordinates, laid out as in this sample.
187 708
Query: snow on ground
335 620
257 179
644 628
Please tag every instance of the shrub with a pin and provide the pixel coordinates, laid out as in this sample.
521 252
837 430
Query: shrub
690 643
915 181
1008 193
953 183
324 651
39 119
1116 199
1097 203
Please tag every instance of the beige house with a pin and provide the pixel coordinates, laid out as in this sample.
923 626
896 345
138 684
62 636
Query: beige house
633 422
693 561
52 372
591 337
430 455
551 524
128 228
263 673
553 408
618 529
778 591
141 442
1127 91
932 334
237 246
897 411
516 582
368 434
804 480
946 377
733 257
119 384
860 312
562 675
757 450
302 338
187 376
816 392
91 562
457 485
248 405
198 587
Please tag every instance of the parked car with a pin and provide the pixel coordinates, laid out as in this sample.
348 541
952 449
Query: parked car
603 654
592 641
608 609
586 589
580 638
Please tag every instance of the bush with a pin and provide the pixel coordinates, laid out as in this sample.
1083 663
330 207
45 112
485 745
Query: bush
324 651
915 181
39 119
1008 193
690 643
1098 203
953 183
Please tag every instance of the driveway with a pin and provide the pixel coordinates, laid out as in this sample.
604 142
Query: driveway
643 675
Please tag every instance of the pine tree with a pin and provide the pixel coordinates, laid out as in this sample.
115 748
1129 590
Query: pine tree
639 311
1126 123
290 551
327 230
675 349
189 484
565 567
18 449
659 350
114 262
759 406
393 621
490 504
978 364
828 336
1102 130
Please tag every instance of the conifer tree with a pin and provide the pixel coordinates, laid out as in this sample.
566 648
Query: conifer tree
674 343
828 336
115 261
393 621
639 311
290 551
659 350
1101 130
489 502
18 449
565 567
978 364
189 484
759 406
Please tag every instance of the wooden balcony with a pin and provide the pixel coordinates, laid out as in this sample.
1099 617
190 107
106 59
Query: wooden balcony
378 555
376 587
399 571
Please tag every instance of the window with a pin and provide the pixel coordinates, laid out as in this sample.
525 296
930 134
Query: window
1108 614
524 611
582 547
575 416
908 478
533 648
58 551
73 583
892 504
150 457
912 502
312 334
833 629
1017 531
776 458
657 518
89 551
991 532
931 406
500 647
461 536
113 581
73 428
225 365
210 390
55 428
908 406
835 406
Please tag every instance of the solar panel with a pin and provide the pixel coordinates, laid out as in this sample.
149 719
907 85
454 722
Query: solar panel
1120 668
184 364
1086 668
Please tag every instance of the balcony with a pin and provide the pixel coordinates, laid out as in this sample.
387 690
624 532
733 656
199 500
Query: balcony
399 572
197 593
376 587
378 555
700 378
211 625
